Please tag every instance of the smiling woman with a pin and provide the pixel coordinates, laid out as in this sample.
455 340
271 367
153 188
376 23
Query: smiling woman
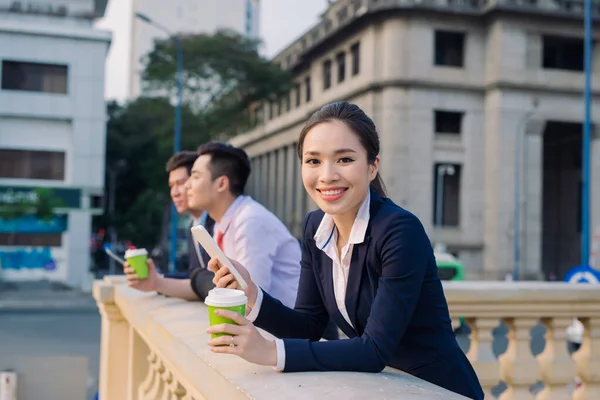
366 262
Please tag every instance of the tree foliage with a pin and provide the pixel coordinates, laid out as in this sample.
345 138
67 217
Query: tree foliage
223 76
139 143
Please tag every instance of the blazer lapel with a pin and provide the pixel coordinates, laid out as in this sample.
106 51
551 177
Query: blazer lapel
357 265
325 270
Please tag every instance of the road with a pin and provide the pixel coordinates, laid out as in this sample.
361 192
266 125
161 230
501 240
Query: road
54 333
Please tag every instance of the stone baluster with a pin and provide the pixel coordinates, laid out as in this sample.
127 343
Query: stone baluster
556 368
518 368
587 361
156 385
174 390
145 386
138 364
481 353
114 345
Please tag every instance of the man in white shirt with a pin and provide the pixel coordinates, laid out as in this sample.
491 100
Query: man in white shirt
245 230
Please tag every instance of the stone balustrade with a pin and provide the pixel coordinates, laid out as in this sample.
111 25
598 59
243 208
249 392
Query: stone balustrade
154 347
520 306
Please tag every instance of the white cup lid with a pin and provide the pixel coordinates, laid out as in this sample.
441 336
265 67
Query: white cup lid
221 297
135 252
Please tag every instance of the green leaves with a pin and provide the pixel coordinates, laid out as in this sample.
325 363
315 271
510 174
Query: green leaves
223 76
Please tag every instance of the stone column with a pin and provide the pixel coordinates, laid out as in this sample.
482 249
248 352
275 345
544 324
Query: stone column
531 216
114 346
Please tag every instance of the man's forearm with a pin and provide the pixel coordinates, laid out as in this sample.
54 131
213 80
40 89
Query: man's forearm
179 288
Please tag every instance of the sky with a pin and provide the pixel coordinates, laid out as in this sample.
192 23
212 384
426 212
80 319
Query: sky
280 24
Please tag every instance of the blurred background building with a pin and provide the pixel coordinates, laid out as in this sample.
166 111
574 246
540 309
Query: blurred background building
52 134
186 16
453 88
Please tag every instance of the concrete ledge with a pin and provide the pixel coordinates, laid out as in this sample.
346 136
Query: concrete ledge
175 330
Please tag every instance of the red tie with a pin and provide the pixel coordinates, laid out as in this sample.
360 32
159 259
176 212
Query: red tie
220 240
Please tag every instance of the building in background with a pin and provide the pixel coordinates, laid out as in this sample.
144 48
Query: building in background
452 87
186 16
52 134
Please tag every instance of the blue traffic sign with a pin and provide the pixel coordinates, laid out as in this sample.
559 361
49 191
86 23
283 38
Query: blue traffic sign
582 274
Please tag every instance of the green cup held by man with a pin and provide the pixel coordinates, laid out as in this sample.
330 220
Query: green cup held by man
137 260
224 299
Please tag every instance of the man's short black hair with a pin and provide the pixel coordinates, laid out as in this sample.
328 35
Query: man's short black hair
230 161
182 159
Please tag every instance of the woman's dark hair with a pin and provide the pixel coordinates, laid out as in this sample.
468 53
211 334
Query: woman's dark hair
358 122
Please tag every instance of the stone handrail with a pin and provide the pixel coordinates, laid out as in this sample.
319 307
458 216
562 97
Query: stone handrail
154 347
520 306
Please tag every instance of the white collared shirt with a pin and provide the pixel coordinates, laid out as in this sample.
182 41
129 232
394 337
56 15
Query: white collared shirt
326 240
258 240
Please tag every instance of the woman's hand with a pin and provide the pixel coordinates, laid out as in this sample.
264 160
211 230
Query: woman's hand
246 342
225 279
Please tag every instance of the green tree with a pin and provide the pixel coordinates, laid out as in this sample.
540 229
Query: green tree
139 143
223 76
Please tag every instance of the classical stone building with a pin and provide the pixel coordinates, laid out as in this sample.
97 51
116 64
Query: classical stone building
453 86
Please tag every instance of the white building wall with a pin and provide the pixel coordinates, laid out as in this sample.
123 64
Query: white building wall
74 123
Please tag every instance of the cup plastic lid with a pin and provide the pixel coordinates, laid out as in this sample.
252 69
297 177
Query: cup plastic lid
135 252
221 297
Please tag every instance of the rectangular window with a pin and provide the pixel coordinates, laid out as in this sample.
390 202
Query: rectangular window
307 85
298 94
355 55
34 77
446 194
326 74
448 122
30 164
288 101
449 49
31 239
340 59
562 53
278 107
96 201
258 114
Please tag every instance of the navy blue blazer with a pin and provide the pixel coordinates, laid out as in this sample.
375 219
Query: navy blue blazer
394 299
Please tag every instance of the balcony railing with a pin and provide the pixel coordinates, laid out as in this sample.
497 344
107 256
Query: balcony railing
154 347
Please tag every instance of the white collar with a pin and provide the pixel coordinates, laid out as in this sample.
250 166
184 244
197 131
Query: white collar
223 225
326 229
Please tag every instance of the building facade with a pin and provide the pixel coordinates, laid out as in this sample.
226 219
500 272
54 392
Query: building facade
52 136
186 16
479 108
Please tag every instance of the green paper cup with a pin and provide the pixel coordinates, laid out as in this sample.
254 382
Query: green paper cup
224 299
137 259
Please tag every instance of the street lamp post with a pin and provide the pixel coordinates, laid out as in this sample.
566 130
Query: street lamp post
177 144
442 171
585 183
